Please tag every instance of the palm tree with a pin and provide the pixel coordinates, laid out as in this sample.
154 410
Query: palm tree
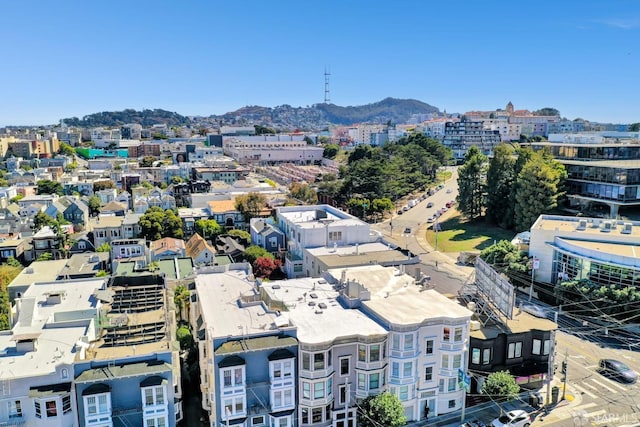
182 299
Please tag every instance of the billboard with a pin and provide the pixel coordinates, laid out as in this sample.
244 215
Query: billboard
495 287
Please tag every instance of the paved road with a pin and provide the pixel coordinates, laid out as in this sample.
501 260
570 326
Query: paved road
408 231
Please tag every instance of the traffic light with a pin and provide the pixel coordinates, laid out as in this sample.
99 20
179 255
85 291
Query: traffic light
564 368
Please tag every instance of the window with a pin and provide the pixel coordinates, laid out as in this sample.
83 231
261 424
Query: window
335 236
408 342
306 390
452 404
395 369
64 373
452 384
374 381
66 404
475 356
233 406
536 346
514 350
155 422
233 377
318 390
546 348
52 408
342 394
457 335
362 353
318 361
344 366
441 385
361 381
257 421
457 361
429 347
282 369
153 396
404 392
15 409
305 415
407 369
428 373
446 333
306 357
445 361
374 353
486 356
395 342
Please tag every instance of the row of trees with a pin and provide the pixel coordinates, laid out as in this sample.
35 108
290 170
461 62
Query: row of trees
513 188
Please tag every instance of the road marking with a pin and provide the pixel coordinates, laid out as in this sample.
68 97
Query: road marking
613 383
591 367
595 414
578 356
591 387
585 406
583 391
603 385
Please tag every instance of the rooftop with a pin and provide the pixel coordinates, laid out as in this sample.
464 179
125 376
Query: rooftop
218 294
593 227
67 307
313 308
85 263
39 271
396 298
521 322
358 255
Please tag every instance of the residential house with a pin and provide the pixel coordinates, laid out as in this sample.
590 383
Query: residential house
114 208
200 250
167 248
428 335
31 205
226 214
317 226
266 235
53 321
130 373
189 217
248 368
108 228
46 241
12 248
231 246
80 243
38 271
76 212
107 195
131 250
85 265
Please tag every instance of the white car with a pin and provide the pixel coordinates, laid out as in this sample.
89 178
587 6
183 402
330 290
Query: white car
516 418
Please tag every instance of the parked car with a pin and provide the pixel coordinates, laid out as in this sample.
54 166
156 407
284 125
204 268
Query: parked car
405 208
400 211
431 220
407 230
448 204
617 370
448 191
429 205
515 418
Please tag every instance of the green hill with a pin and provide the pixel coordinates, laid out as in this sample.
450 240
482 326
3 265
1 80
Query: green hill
118 118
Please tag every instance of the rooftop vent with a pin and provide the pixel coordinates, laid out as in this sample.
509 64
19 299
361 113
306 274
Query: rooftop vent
582 224
311 303
28 270
322 305
627 228
606 226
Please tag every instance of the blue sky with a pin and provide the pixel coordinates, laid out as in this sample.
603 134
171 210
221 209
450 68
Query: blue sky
73 58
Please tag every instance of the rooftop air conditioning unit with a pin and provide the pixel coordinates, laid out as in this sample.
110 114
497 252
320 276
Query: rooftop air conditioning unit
627 228
582 224
606 226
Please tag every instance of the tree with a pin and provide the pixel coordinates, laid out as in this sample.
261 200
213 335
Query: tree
384 409
46 186
634 127
244 235
103 185
67 149
147 161
182 300
45 256
208 228
11 261
539 186
42 220
331 151
253 252
505 254
250 205
94 205
471 183
184 337
17 198
262 130
546 111
304 193
501 385
380 206
7 274
102 273
500 180
105 247
157 223
176 179
264 266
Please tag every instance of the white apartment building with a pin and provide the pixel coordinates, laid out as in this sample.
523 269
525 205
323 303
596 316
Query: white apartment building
428 335
508 131
317 226
271 149
361 134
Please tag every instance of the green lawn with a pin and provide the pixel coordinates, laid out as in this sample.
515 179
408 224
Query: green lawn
458 235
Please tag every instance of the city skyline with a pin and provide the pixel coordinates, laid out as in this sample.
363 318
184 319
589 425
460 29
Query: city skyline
76 58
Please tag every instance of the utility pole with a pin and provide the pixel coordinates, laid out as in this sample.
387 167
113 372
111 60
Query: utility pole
551 362
535 263
564 373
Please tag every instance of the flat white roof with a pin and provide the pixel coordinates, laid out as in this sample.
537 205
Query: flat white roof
362 248
55 346
314 310
39 271
397 299
219 293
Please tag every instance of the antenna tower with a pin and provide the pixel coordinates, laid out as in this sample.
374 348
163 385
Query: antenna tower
327 98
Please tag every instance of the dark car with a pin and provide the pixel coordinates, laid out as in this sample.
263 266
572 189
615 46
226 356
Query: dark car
429 205
617 370
407 230
400 212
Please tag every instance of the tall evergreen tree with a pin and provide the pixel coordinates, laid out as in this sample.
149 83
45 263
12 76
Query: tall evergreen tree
500 180
472 183
539 186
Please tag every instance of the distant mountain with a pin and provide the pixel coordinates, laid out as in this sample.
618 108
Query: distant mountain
396 110
283 117
118 118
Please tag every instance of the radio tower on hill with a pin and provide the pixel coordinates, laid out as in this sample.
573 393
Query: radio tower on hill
327 98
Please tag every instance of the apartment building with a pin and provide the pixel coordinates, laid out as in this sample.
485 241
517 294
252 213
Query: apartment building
317 226
272 149
459 136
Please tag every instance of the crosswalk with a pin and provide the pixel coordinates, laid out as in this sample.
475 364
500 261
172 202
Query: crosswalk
596 387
